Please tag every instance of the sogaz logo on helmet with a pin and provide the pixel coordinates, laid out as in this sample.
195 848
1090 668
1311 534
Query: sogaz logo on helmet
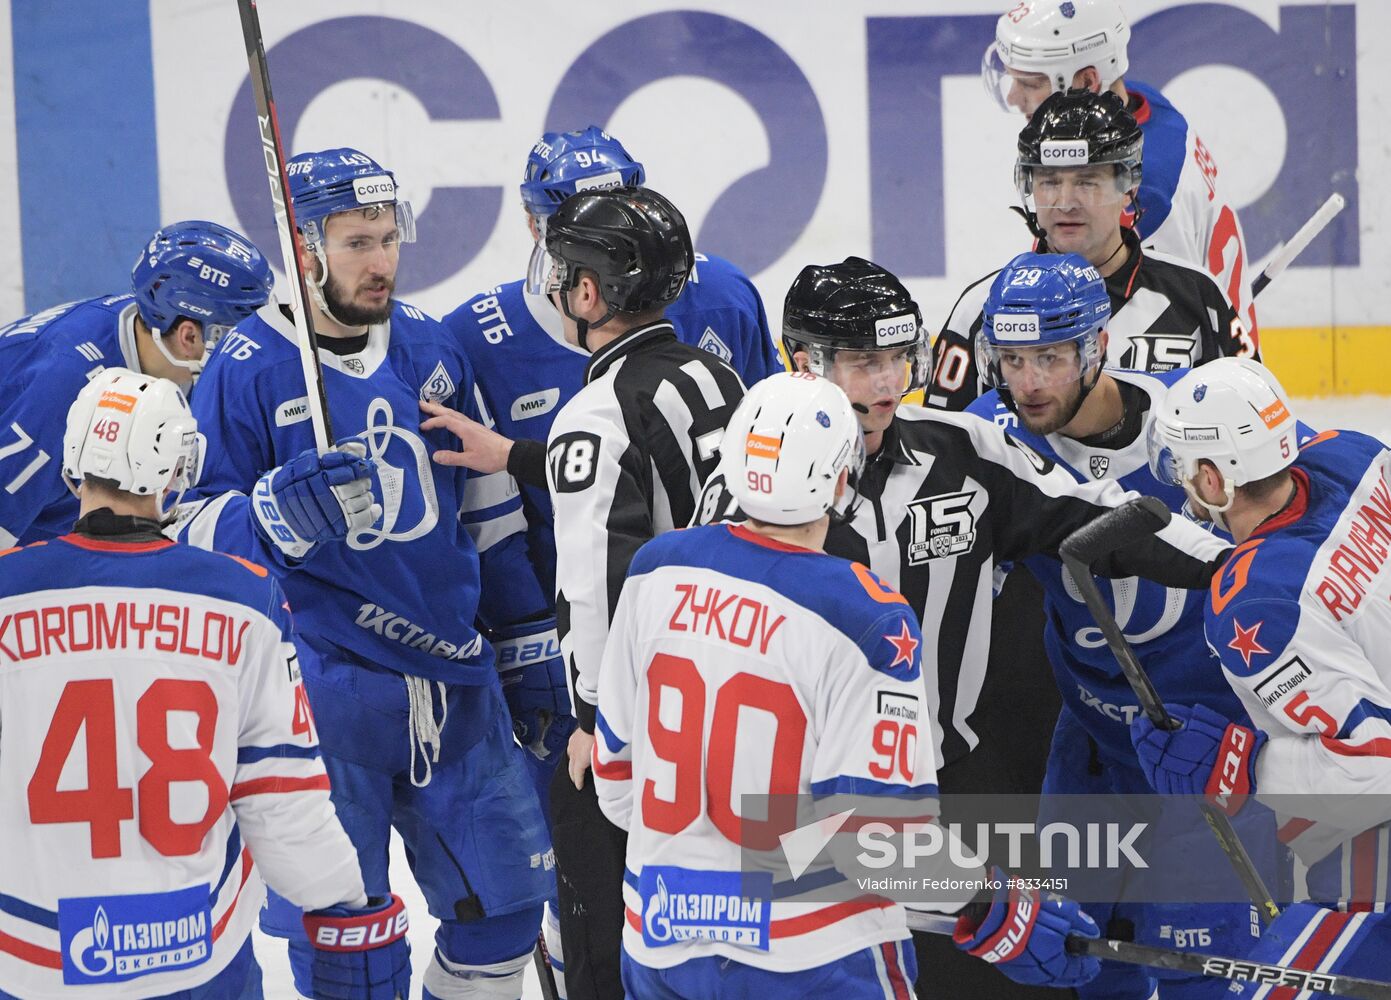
374 190
893 330
1015 326
1063 152
612 179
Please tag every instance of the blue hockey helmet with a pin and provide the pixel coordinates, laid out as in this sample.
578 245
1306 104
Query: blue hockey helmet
562 163
205 272
1040 301
342 180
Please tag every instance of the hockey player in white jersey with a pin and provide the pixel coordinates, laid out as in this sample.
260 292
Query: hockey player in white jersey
405 684
1042 47
191 282
744 661
156 739
1300 618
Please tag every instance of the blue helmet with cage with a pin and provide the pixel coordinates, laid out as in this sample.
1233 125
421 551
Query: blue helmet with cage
204 272
1040 301
562 163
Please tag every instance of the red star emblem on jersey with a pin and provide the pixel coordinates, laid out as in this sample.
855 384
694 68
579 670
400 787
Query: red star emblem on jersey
904 646
1245 641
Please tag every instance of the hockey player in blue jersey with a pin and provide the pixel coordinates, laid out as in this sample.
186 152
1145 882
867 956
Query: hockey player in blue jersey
193 281
1044 338
1047 46
1300 619
513 334
403 682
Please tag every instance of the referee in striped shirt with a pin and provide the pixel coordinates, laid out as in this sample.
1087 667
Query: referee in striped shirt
626 460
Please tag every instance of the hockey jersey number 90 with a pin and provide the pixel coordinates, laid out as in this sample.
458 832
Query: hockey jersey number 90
741 667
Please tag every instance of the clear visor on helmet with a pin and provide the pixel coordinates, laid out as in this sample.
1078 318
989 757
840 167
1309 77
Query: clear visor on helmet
894 371
1091 186
1165 465
361 231
1018 91
212 333
1027 368
544 273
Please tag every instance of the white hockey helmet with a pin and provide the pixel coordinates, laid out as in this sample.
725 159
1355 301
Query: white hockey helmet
1231 412
786 446
1058 38
135 431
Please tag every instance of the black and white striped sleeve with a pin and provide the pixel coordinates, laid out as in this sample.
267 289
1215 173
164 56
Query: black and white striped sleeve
601 490
1040 504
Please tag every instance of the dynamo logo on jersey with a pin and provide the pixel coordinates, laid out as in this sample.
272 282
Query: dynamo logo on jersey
109 939
682 904
401 488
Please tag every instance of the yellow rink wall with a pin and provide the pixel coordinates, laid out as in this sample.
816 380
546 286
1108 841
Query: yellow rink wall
1329 361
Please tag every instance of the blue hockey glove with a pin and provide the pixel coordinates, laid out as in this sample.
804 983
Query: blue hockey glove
316 498
1024 935
532 672
1206 755
361 954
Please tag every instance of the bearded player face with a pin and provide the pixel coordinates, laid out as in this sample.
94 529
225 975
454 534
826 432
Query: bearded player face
363 249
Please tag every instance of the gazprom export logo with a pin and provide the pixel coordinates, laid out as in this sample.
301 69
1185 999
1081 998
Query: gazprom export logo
684 904
108 939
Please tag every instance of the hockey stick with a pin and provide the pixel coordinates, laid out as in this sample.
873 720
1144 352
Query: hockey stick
1298 242
268 127
1216 966
541 955
1079 552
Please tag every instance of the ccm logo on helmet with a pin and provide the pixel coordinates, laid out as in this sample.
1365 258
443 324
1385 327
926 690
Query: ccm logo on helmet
895 330
1015 326
1063 152
374 190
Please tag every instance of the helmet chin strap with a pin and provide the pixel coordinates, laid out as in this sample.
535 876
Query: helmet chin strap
316 288
582 326
194 366
1213 512
1030 220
